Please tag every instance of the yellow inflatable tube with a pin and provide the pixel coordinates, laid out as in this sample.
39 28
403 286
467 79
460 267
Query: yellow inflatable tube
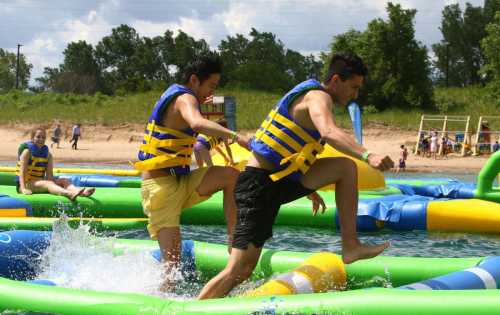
319 273
368 177
464 215
83 171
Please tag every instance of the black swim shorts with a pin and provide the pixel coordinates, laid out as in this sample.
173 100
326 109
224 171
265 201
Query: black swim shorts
258 200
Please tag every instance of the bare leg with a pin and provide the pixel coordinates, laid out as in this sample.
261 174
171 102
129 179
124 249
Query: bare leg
239 268
207 158
198 158
169 240
343 172
55 189
73 190
222 178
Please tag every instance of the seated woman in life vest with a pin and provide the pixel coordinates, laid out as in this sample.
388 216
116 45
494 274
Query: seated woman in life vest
35 170
204 144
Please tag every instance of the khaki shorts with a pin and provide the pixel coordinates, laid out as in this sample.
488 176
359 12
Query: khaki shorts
164 198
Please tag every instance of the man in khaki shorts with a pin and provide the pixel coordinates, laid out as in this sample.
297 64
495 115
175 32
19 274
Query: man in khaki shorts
168 184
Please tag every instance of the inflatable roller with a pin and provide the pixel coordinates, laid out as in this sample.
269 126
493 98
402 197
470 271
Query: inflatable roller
368 177
319 273
115 172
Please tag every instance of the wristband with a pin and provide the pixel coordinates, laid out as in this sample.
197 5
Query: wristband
365 155
234 136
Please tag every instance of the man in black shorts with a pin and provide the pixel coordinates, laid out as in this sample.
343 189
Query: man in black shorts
283 167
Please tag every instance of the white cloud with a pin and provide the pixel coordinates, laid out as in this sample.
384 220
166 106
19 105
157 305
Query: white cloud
302 25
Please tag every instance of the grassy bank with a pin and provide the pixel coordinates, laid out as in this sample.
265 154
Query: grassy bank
252 107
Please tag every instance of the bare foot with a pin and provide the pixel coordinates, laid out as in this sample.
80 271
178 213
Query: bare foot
87 192
361 251
72 196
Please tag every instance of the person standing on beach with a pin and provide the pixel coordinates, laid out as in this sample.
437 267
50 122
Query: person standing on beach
283 167
168 184
35 171
403 155
76 134
56 136
434 144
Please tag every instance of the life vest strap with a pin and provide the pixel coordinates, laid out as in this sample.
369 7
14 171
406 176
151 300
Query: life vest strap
298 160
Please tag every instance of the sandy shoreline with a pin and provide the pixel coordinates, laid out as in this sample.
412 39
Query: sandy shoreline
119 145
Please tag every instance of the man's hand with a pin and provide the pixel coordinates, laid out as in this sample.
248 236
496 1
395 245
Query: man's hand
208 100
382 163
26 191
317 201
243 141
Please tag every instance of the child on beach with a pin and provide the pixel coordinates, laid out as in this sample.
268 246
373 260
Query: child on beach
56 136
403 155
204 144
35 171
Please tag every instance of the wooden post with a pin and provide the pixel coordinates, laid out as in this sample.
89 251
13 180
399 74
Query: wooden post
478 131
441 146
419 132
466 136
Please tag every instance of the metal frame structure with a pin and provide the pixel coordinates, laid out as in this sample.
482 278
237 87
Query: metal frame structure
445 119
479 132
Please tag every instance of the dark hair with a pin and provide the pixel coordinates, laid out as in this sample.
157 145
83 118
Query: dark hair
346 65
402 146
202 67
34 130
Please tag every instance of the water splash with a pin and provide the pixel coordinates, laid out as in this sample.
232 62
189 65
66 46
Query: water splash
78 259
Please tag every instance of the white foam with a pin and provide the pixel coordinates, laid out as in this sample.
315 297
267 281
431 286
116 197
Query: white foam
77 259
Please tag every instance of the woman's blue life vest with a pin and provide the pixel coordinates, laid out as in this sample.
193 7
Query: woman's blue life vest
292 149
162 147
37 163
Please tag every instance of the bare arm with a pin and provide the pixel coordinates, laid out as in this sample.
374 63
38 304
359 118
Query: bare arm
23 171
188 107
50 168
229 152
322 118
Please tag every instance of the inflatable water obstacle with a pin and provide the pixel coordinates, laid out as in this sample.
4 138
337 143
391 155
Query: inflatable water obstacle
437 205
388 285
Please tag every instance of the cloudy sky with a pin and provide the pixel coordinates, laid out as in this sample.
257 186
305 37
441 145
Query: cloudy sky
44 28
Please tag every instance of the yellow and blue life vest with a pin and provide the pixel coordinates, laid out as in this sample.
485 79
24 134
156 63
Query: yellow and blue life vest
208 141
291 148
37 163
166 148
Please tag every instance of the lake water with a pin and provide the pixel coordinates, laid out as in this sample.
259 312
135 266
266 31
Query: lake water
414 243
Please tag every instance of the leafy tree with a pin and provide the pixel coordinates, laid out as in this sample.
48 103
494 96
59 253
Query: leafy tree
186 48
263 63
459 56
8 67
79 73
398 64
491 47
116 56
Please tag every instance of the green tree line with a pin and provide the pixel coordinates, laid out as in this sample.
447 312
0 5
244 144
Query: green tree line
402 74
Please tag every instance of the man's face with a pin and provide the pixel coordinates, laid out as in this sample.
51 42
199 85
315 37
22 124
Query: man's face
345 91
39 138
207 87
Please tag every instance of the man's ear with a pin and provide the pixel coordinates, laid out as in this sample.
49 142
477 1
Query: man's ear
194 80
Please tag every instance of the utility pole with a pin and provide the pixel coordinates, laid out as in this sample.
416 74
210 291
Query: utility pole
17 68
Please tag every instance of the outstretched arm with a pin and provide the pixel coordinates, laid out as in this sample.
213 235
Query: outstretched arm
188 107
320 111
